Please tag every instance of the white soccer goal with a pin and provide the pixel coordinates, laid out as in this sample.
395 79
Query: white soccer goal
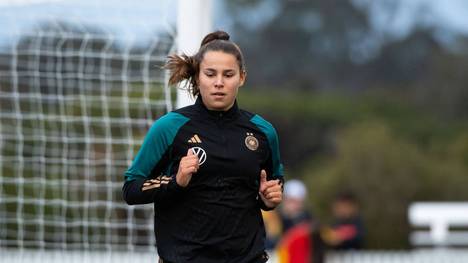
75 104
74 109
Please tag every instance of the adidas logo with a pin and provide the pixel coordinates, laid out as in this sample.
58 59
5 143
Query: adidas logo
195 139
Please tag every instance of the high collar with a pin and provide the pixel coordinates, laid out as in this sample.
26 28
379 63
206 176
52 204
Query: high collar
229 114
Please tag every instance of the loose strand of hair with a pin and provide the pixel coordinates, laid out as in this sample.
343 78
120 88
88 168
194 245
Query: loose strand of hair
183 68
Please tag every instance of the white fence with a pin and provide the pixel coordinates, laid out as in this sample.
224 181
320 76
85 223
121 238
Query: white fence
413 256
36 256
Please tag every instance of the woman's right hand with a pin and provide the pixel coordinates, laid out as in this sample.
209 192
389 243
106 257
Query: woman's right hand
188 165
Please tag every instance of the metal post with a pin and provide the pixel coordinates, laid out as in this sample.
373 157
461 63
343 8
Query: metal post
194 21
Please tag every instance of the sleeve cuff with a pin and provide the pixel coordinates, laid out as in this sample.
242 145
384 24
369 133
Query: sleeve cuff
174 186
263 206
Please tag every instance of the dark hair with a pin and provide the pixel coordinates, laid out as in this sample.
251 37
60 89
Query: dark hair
186 67
346 196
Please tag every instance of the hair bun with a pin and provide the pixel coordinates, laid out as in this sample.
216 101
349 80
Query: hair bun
217 35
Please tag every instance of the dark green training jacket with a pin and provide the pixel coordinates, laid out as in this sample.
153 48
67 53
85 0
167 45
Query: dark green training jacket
217 217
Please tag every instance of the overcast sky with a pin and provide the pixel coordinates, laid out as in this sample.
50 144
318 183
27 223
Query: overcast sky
127 20
134 19
443 14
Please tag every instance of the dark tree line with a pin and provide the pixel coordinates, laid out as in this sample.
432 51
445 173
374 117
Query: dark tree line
332 45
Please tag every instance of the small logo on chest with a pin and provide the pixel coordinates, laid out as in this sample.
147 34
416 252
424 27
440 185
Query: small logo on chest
251 142
200 153
194 139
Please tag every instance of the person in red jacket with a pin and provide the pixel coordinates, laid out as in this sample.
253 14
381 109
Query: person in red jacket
301 244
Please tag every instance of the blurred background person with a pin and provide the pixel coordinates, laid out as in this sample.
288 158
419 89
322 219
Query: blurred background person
347 229
293 210
273 228
300 241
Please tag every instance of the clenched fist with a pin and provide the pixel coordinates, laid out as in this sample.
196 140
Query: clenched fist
188 165
270 191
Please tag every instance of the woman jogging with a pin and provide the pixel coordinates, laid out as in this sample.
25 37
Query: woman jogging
210 167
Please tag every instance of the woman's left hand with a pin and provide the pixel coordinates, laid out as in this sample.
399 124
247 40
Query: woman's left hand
270 191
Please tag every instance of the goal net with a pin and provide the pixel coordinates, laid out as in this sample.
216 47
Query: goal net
75 104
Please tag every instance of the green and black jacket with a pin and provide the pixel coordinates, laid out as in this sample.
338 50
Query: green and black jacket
217 217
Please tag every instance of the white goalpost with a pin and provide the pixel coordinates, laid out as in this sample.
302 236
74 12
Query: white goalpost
193 23
75 104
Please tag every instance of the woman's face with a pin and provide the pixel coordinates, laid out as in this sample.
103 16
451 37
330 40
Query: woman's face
219 80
